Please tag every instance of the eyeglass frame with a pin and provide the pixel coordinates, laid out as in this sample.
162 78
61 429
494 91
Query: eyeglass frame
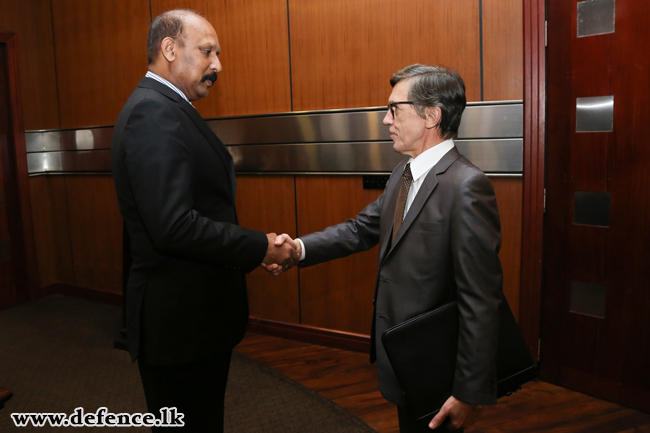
391 106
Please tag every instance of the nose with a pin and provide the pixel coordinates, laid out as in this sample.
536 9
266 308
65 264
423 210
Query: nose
216 64
388 118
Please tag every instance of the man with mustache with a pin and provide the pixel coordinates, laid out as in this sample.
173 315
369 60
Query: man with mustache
187 304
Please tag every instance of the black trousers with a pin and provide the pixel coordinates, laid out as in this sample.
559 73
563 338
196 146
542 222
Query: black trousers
196 390
410 424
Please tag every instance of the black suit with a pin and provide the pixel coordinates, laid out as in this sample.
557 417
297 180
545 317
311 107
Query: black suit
175 183
447 248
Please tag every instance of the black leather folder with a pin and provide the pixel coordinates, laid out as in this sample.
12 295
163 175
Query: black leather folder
423 350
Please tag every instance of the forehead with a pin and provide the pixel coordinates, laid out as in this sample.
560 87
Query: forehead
200 31
400 91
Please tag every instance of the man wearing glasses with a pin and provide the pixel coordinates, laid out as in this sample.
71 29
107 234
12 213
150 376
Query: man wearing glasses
438 228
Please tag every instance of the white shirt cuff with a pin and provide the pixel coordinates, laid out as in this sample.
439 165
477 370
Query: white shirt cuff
302 248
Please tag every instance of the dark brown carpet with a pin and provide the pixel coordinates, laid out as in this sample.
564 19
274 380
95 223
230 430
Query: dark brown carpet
56 354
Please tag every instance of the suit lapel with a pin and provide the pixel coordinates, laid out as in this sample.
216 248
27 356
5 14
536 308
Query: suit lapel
214 141
390 202
428 186
210 136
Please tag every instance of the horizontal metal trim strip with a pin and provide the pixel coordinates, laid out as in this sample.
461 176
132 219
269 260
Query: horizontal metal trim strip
503 121
498 156
69 161
480 121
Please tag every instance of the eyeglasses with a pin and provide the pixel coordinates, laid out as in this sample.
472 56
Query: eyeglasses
391 106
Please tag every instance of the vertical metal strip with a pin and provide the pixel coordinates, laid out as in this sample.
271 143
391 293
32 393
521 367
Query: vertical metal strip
480 26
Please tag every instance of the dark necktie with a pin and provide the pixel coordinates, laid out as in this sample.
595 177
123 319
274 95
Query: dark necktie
406 181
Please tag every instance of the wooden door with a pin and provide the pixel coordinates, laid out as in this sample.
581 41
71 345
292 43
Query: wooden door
18 275
596 296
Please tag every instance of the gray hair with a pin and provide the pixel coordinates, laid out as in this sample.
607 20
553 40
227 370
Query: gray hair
435 86
166 25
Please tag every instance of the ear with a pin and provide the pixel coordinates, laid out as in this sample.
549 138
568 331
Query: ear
167 48
433 117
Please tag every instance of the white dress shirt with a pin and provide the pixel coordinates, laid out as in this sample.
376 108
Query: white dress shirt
420 167
161 80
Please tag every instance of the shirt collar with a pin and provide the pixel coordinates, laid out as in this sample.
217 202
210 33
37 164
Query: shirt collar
161 80
430 157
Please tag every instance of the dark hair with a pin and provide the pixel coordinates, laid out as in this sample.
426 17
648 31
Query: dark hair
167 24
435 86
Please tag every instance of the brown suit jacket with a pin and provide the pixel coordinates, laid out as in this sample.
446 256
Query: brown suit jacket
447 248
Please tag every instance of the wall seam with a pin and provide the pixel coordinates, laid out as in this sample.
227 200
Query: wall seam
290 70
67 217
56 69
295 199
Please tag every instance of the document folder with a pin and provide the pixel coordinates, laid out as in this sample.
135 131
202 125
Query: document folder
422 351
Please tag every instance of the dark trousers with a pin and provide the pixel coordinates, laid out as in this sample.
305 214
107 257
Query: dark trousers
196 390
410 424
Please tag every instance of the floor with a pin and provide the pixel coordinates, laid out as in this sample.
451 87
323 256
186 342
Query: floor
350 381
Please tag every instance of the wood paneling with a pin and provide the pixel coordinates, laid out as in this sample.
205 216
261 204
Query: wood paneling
101 55
32 22
51 229
509 200
503 65
268 204
253 36
95 233
343 52
336 294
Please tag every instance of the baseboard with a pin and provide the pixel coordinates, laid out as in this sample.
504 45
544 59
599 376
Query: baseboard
311 334
83 293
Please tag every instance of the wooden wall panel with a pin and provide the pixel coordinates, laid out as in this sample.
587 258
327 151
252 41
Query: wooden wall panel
51 229
343 52
255 55
503 64
268 204
337 294
509 200
32 22
95 227
101 55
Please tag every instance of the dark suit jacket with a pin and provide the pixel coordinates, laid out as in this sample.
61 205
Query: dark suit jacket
447 248
175 184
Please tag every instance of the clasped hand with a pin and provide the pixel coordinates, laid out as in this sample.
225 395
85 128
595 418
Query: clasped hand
282 253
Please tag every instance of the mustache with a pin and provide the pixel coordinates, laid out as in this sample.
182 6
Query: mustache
212 76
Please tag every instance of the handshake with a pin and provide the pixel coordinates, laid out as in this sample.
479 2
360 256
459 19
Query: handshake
282 253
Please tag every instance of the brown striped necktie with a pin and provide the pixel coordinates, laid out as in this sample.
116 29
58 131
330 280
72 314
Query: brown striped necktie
407 180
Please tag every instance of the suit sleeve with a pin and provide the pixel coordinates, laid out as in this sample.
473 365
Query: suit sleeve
342 240
476 239
159 169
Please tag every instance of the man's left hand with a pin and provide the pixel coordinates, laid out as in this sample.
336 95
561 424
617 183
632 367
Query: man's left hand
461 414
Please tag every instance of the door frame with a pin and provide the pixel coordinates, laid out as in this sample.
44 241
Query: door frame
534 26
23 250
